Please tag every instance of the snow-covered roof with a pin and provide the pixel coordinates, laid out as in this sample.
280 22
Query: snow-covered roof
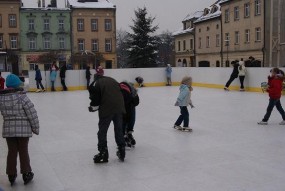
214 12
194 15
181 31
224 1
101 4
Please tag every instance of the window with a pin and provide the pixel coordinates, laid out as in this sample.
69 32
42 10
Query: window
31 24
179 45
207 41
47 43
200 42
81 45
61 43
46 24
191 44
95 46
32 43
80 24
247 36
217 26
108 45
236 13
199 30
94 24
108 24
12 21
258 34
184 44
208 28
1 41
32 66
13 42
61 24
236 37
227 39
217 40
227 15
246 10
257 6
0 20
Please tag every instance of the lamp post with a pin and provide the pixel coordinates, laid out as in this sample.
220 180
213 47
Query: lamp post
227 41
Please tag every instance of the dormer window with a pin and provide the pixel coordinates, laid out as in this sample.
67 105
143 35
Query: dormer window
214 9
206 11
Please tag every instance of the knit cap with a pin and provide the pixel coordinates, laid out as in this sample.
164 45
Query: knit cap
13 81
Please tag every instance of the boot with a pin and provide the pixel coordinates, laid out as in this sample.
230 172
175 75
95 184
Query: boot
27 177
132 141
121 153
12 178
102 156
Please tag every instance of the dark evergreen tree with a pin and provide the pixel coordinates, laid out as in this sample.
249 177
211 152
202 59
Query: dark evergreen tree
143 43
165 49
122 48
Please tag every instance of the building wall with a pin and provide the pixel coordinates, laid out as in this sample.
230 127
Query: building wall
101 34
184 53
30 53
242 49
205 51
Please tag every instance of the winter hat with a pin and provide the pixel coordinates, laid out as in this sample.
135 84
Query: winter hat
186 80
13 81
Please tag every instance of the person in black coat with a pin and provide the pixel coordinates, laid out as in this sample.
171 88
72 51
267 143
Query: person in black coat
233 76
88 76
62 77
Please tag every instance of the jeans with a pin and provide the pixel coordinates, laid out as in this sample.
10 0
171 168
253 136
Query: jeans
232 78
104 124
128 124
272 103
241 79
184 117
39 83
18 145
52 86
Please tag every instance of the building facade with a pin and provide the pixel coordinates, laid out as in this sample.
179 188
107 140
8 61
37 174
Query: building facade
185 42
45 37
9 35
208 38
93 33
243 31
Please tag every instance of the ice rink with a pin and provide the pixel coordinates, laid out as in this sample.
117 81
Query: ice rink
227 150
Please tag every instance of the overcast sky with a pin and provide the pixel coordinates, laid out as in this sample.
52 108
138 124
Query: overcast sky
168 13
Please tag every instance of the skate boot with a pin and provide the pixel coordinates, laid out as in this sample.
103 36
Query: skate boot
102 156
27 177
121 153
127 141
131 139
12 178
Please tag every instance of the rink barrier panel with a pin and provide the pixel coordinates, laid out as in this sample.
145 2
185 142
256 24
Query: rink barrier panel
153 77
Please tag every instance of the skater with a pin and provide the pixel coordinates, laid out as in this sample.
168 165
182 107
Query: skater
53 74
139 80
234 75
168 71
2 82
131 100
275 82
107 98
99 70
183 100
241 73
88 75
20 122
62 77
38 79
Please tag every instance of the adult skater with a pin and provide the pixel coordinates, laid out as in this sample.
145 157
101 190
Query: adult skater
38 78
20 121
88 75
62 77
107 98
168 72
275 83
233 76
183 100
241 73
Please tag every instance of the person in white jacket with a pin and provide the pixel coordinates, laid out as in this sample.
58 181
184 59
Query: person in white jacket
241 73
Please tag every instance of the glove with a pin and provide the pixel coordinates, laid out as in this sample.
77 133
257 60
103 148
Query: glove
93 108
35 131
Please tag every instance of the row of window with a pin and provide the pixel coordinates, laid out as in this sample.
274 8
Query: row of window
94 45
94 25
11 20
257 11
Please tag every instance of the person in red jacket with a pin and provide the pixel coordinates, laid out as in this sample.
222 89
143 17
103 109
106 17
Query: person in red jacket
2 82
275 83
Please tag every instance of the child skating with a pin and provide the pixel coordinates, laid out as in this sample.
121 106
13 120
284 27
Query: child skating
275 82
183 100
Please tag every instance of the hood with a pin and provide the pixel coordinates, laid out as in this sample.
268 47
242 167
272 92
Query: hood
10 97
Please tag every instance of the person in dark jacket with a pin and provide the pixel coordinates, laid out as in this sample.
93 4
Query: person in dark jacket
62 77
20 122
88 76
38 79
234 75
107 98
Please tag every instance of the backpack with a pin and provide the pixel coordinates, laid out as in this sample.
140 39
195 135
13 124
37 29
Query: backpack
132 91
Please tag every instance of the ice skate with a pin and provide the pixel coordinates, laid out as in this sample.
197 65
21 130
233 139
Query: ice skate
121 153
282 122
12 179
226 89
101 157
38 90
262 123
187 129
27 177
178 127
129 138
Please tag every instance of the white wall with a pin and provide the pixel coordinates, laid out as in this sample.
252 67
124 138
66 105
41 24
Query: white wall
211 76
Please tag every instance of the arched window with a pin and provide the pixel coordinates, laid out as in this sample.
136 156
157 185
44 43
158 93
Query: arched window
184 63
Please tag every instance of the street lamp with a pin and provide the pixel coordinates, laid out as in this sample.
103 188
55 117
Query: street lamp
227 41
